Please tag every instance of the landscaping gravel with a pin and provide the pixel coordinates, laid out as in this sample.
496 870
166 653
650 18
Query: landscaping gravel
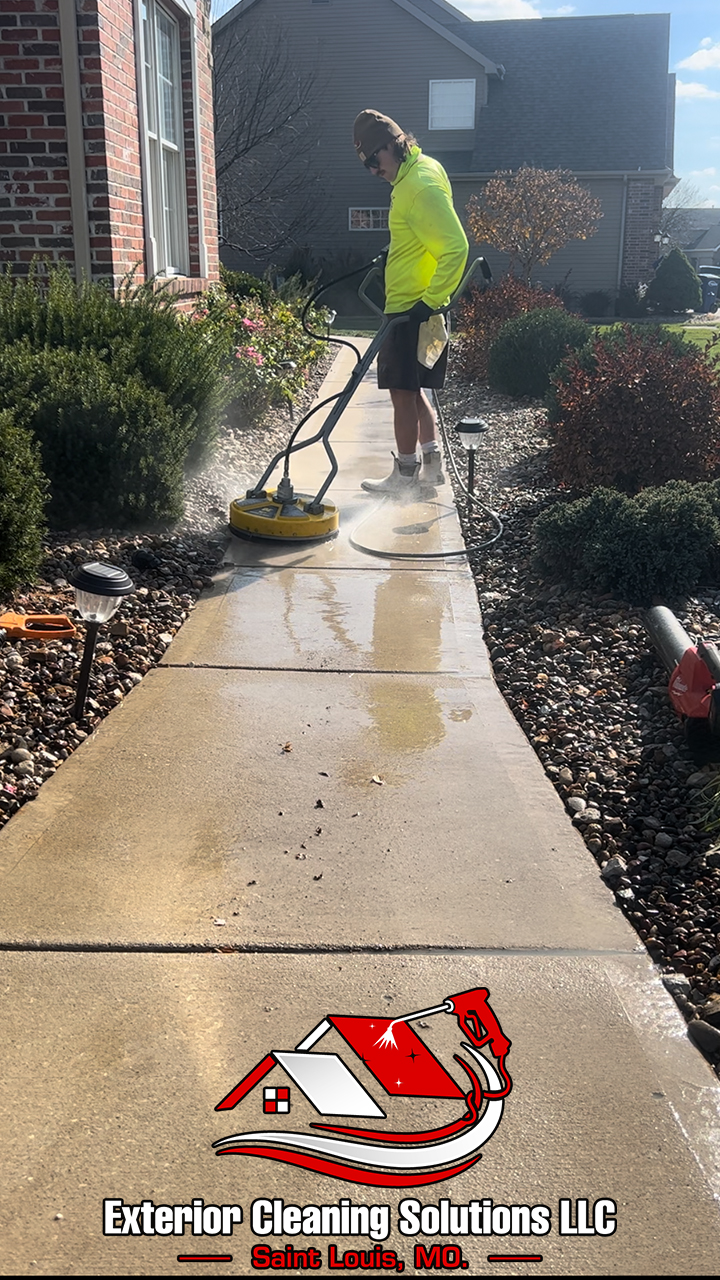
575 667
581 677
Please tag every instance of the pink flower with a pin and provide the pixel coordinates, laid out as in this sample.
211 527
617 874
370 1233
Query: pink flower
249 353
251 324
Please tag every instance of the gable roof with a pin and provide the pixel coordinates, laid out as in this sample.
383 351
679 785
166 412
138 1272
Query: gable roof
439 16
708 240
587 94
454 32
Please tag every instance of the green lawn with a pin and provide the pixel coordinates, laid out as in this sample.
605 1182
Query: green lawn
698 334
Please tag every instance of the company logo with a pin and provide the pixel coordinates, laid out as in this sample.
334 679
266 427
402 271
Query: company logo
391 1054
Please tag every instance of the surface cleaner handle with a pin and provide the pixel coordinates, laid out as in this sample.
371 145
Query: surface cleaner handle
478 263
362 291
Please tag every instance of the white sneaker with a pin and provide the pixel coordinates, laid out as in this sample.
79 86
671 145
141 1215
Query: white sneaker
432 472
396 484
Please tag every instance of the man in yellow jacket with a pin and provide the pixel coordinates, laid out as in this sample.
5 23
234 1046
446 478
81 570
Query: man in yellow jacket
427 255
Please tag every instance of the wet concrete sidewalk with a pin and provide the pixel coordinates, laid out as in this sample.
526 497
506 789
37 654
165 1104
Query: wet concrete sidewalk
320 805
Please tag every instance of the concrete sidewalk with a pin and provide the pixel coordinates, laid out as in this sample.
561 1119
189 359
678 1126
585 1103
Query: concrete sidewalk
319 804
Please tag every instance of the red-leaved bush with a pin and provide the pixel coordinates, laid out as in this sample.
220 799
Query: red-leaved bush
637 406
482 315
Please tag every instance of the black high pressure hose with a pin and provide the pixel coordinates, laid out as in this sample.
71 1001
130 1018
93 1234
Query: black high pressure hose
343 342
325 337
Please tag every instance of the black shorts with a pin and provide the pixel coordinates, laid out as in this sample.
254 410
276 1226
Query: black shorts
398 367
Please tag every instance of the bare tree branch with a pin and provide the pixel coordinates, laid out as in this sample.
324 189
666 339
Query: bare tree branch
676 220
265 141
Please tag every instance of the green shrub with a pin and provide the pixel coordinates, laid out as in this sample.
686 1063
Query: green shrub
596 302
664 542
630 302
484 311
137 333
675 287
23 490
528 348
241 285
112 449
636 407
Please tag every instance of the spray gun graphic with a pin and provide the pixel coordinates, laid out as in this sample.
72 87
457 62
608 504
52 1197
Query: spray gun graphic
476 1020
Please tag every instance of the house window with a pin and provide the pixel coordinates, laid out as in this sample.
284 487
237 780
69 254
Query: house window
368 219
162 92
452 104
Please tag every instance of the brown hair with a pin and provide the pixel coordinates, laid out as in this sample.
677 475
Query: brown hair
403 146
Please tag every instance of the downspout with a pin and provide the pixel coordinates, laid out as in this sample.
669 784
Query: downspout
199 187
622 232
70 58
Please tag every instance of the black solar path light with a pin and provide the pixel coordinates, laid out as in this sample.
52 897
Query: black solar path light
99 589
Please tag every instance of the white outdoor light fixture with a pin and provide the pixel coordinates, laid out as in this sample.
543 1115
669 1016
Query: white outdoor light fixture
99 588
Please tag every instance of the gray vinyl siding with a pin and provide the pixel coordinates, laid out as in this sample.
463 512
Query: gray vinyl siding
394 78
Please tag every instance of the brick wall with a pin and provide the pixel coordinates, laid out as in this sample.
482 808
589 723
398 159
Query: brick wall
35 191
34 179
642 219
106 44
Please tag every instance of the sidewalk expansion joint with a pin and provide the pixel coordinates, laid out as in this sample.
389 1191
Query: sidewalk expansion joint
297 949
305 671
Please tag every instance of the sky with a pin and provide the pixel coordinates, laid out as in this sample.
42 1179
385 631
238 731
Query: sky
694 57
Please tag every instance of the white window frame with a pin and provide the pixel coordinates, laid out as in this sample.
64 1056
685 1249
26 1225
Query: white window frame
464 111
164 184
380 223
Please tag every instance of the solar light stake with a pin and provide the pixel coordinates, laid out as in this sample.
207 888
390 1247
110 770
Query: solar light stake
91 632
98 591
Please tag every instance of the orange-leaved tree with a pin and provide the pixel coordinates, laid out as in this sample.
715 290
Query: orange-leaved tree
531 213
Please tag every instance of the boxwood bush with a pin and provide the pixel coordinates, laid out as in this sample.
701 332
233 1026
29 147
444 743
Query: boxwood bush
23 489
137 333
663 542
528 349
112 449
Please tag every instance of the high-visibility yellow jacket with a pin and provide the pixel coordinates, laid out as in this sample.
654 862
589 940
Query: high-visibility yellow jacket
428 247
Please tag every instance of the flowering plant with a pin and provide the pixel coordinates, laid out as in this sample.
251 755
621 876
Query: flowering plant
268 353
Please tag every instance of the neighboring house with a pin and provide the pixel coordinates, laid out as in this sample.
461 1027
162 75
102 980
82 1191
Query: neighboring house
703 243
592 95
107 139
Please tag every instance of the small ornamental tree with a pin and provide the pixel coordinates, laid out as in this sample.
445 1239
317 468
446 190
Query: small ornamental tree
676 286
532 213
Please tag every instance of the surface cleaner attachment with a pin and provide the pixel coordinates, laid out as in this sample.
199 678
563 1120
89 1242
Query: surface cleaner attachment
283 515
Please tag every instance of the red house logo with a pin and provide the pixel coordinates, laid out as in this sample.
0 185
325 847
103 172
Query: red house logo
402 1066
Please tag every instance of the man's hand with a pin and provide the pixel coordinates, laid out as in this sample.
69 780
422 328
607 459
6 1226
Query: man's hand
421 311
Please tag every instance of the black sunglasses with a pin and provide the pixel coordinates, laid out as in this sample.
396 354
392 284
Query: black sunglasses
372 161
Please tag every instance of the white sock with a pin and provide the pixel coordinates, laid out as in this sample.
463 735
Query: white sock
407 463
430 446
